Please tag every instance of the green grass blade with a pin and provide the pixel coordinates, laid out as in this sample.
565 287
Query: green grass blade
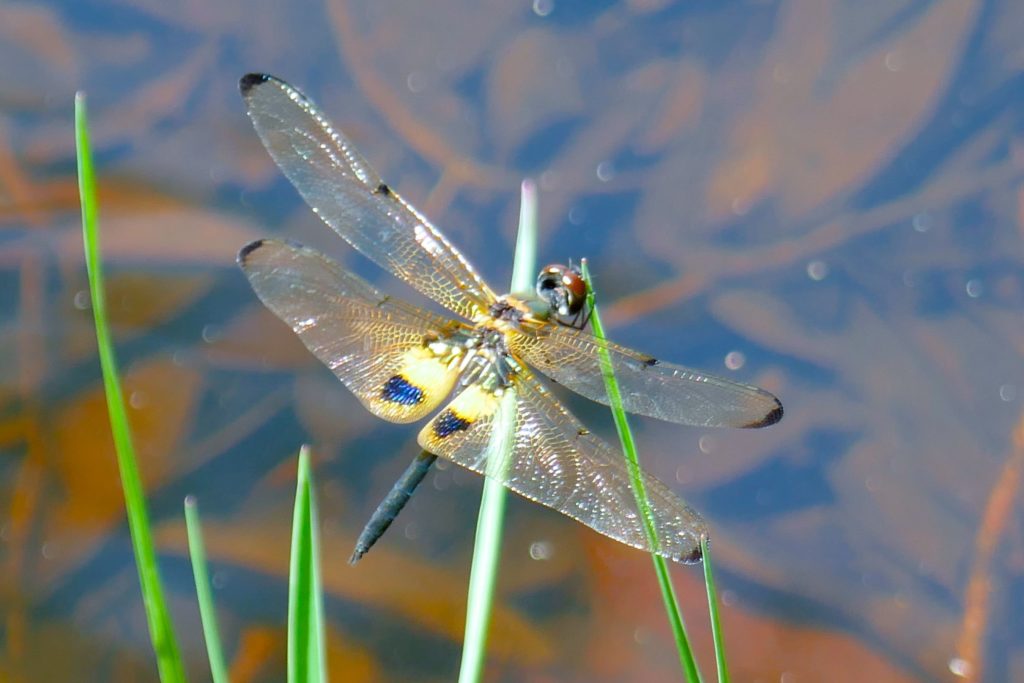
524 264
161 628
207 611
668 595
305 594
487 546
716 625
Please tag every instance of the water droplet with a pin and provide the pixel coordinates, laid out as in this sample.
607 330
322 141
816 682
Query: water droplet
974 288
137 400
605 171
211 333
893 61
1008 392
577 216
442 481
416 81
706 444
734 360
541 550
542 8
921 222
960 667
817 270
82 299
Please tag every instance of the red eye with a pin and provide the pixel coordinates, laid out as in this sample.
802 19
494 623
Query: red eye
563 288
574 282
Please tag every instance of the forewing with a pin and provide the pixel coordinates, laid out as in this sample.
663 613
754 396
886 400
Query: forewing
342 188
556 462
649 387
372 342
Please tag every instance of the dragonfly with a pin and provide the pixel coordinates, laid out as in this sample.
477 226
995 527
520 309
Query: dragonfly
402 361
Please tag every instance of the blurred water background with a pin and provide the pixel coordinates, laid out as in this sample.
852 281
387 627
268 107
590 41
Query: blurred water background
822 198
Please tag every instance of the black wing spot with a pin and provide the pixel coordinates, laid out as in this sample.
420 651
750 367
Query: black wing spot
382 189
448 422
650 362
401 391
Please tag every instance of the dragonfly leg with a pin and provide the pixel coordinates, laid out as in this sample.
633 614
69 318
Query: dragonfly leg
392 504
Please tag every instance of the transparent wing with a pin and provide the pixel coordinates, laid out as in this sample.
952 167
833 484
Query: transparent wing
342 188
372 342
556 462
649 387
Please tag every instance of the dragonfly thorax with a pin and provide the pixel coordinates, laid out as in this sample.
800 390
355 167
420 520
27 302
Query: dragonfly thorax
508 310
520 314
480 355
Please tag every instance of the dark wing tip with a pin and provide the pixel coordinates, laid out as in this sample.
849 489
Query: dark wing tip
695 555
246 251
250 81
770 418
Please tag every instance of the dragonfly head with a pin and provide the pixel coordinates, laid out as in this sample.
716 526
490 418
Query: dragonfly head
563 288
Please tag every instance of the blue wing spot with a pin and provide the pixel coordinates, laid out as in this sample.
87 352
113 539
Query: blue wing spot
447 423
400 390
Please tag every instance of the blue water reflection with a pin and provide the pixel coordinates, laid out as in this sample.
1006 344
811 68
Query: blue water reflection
830 191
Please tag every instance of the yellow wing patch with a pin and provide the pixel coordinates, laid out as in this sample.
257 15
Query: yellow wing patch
421 383
471 406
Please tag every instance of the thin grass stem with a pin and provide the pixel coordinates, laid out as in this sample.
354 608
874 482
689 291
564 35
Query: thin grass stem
204 592
716 624
675 617
487 546
161 628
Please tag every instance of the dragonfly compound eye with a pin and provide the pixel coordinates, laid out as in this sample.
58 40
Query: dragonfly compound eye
563 288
